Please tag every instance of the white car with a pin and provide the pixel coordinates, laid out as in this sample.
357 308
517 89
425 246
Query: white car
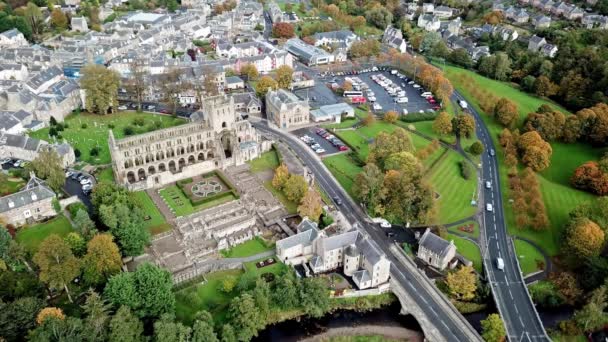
411 82
377 106
123 107
375 69
85 181
489 207
68 174
315 146
385 224
405 112
401 100
320 150
372 99
488 185
87 187
416 86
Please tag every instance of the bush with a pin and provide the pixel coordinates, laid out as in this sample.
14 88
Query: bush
476 148
77 153
94 152
417 117
84 126
466 307
111 126
74 207
59 127
465 169
138 121
129 130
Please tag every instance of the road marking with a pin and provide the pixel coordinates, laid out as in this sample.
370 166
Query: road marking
510 294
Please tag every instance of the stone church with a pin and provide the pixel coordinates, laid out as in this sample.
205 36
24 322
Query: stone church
216 138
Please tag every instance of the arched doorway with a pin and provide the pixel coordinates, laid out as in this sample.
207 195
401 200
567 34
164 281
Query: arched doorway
210 155
201 157
191 160
151 170
172 166
162 167
131 177
227 144
141 174
224 125
181 163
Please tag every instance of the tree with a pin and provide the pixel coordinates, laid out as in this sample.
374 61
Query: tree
58 19
440 50
58 265
147 291
405 197
429 41
244 317
462 284
281 175
53 329
171 85
364 48
590 177
76 243
592 316
505 111
295 188
283 30
264 84
544 87
442 124
228 284
464 125
549 124
97 317
493 329
49 166
34 18
102 259
165 330
404 162
476 148
285 292
18 317
284 76
101 86
6 242
460 57
228 334
311 206
250 71
379 17
534 151
567 286
125 327
386 144
314 297
202 330
136 83
49 312
368 120
493 18
391 116
527 83
584 238
368 185
84 224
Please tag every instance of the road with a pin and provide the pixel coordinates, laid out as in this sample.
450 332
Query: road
453 328
510 293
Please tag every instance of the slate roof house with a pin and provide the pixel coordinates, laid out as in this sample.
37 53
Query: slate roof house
435 251
308 54
536 43
351 251
394 38
33 203
342 38
285 109
12 38
26 148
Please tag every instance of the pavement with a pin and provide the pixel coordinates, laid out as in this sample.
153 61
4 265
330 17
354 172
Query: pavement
447 321
508 287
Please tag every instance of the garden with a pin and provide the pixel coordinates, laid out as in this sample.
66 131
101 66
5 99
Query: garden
469 250
31 236
88 133
249 248
559 197
154 221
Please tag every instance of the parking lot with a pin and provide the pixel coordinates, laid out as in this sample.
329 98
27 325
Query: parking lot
324 143
415 102
319 95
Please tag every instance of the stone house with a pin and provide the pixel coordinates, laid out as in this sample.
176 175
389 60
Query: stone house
541 21
429 22
79 24
435 251
12 39
33 203
536 43
548 50
342 38
26 148
285 109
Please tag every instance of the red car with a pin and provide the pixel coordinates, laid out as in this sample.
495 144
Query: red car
164 111
436 107
343 148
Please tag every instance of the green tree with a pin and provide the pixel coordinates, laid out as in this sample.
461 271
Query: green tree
34 18
442 124
476 148
460 57
314 297
49 166
54 329
462 283
147 291
311 205
126 224
97 317
102 259
18 317
379 17
245 317
76 243
261 296
464 125
592 316
295 188
368 185
493 330
125 327
84 224
202 331
284 76
429 41
101 86
228 334
58 265
285 292
166 330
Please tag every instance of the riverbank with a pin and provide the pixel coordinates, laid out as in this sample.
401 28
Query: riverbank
387 332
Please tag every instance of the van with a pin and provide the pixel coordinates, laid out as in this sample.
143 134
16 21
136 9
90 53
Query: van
489 207
500 264
394 72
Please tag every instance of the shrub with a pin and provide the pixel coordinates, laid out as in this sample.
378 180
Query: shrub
416 117
94 151
77 153
74 207
138 121
111 126
476 148
84 126
465 169
129 130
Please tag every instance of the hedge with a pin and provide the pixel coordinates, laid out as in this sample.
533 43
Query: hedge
417 117
231 189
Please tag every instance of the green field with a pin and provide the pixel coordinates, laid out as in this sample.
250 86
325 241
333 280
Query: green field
267 161
156 223
559 197
105 175
291 207
467 249
426 128
528 257
356 141
97 127
12 185
31 237
180 204
455 192
249 248
209 296
344 169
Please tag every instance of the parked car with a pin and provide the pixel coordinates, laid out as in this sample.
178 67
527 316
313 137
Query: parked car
85 181
320 150
87 187
343 148
123 107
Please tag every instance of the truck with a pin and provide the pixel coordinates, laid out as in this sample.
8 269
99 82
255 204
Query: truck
463 104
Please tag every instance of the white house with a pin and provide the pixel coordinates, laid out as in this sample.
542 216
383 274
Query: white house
435 251
79 24
12 39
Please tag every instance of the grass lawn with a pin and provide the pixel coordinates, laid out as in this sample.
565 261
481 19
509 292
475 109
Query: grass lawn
157 223
559 197
528 257
455 192
96 133
267 161
350 122
105 175
12 185
344 169
426 128
31 237
278 268
468 250
354 139
180 204
291 207
249 248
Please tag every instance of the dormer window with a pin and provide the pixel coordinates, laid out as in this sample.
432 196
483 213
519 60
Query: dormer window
34 197
11 204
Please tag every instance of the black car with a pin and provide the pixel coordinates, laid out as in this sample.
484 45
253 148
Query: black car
75 175
338 200
390 234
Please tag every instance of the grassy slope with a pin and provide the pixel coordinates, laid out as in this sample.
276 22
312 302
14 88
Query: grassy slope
528 256
455 192
344 169
31 237
96 133
249 248
468 250
268 160
559 197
